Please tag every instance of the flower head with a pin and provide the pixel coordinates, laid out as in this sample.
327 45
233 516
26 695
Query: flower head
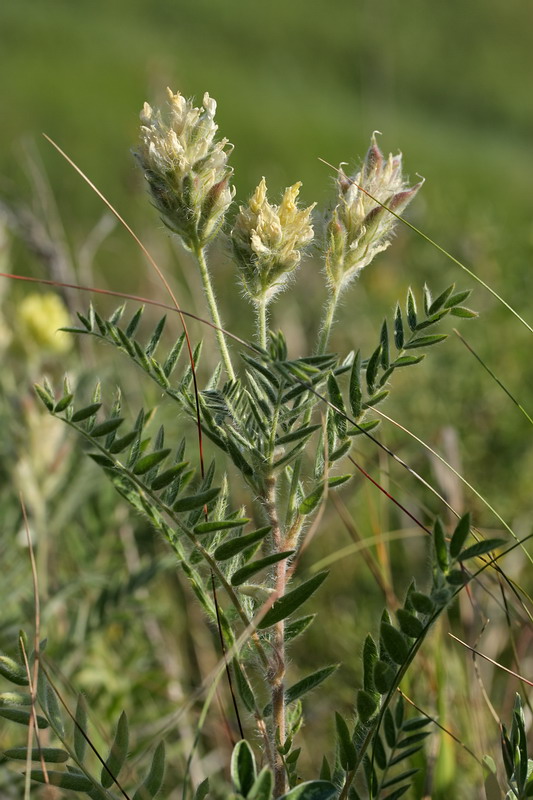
185 167
268 241
39 315
360 227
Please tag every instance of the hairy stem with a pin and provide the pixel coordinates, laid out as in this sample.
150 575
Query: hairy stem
327 320
276 676
323 338
261 308
213 308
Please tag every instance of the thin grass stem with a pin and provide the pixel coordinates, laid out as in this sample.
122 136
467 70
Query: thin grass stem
493 376
457 474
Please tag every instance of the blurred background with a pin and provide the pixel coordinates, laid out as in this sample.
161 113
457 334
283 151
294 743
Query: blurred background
447 84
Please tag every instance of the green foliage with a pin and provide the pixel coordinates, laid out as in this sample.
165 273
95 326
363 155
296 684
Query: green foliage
401 738
78 776
518 765
292 601
262 424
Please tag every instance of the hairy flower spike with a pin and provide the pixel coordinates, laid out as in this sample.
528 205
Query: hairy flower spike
359 227
268 240
186 168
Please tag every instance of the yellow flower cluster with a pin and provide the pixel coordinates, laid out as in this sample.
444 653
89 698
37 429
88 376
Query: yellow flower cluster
268 240
38 318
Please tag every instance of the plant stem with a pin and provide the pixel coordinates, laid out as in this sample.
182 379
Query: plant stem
323 338
276 676
261 308
327 321
213 308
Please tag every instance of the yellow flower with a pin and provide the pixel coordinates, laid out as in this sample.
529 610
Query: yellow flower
268 241
38 318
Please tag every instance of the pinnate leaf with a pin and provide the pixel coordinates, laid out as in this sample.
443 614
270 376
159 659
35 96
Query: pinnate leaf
243 773
441 549
153 781
370 657
22 716
372 369
465 313
151 460
409 624
367 705
309 503
117 754
395 643
347 752
421 603
425 341
64 780
245 690
240 543
287 604
54 712
85 413
46 397
54 755
246 572
311 790
298 626
263 786
166 477
121 444
460 535
13 671
356 395
193 501
220 525
108 426
303 686
480 548
80 728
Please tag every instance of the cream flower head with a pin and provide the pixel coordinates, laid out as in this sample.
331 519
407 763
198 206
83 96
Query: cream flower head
185 167
268 241
359 227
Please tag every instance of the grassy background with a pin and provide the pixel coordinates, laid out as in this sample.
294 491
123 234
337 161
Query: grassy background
447 83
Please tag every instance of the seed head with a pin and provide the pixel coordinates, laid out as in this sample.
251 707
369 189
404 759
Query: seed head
186 169
268 241
359 227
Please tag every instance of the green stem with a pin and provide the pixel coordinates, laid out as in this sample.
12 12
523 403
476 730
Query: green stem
261 308
213 308
323 338
327 321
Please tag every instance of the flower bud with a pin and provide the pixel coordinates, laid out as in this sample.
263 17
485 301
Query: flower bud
268 240
186 169
366 225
